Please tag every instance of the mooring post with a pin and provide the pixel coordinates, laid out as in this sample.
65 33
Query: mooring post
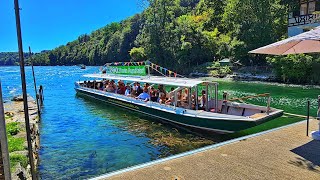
318 113
216 96
308 116
196 98
24 89
4 142
34 82
207 97
316 134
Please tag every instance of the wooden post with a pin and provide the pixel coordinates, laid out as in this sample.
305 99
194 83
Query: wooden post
216 96
196 98
318 113
34 82
175 99
24 88
308 116
207 96
268 104
5 163
189 98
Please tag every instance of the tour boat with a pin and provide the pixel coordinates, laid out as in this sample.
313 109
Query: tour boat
216 115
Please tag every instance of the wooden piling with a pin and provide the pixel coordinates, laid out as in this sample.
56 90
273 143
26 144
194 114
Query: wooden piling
34 82
24 88
4 152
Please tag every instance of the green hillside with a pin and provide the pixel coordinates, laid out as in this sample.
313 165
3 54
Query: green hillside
180 34
10 58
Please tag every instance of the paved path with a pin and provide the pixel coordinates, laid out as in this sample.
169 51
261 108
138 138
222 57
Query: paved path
282 154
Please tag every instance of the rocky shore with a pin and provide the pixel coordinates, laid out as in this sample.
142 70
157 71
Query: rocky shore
15 123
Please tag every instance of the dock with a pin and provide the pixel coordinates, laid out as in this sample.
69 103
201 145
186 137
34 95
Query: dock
282 153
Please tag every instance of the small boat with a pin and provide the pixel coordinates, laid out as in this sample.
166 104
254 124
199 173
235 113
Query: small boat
82 66
206 112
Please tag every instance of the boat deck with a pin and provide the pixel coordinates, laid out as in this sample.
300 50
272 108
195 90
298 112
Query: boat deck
285 153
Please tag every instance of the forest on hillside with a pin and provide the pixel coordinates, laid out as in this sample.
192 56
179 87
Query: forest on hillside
182 34
10 58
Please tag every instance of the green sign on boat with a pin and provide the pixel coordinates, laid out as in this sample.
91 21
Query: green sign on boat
128 70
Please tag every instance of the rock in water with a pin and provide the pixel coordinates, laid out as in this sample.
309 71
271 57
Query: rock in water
17 98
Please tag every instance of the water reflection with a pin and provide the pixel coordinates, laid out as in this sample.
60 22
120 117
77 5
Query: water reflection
167 137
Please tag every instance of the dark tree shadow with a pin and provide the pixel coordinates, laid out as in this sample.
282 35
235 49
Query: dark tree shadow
310 156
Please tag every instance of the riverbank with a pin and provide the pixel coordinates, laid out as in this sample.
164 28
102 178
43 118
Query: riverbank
286 153
15 123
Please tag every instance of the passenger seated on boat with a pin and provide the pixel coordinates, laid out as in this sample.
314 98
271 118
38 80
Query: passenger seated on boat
89 84
185 98
171 100
144 95
134 89
94 84
84 84
101 87
139 89
153 95
171 93
162 98
162 89
202 100
121 87
114 86
109 87
128 90
147 85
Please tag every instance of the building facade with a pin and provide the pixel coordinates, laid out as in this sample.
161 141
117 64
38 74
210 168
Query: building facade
304 18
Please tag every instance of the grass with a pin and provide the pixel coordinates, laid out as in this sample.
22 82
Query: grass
18 158
15 144
13 128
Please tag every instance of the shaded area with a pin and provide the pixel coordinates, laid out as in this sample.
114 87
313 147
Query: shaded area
310 156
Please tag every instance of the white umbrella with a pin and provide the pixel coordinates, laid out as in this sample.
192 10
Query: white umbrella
308 42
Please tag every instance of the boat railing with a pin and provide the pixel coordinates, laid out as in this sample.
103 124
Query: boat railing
255 96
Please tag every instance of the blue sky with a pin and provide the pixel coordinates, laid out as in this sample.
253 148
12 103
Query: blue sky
47 24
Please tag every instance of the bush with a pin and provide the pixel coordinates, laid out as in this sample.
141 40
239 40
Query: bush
138 54
218 70
296 68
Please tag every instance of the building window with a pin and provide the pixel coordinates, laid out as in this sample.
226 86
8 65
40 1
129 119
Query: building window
312 7
304 9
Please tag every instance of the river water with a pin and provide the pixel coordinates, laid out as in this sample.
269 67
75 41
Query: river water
82 138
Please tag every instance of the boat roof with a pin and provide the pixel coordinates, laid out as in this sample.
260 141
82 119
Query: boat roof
180 82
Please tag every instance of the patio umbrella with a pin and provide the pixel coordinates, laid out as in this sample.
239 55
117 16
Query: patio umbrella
308 42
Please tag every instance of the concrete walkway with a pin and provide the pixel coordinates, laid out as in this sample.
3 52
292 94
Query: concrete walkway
282 154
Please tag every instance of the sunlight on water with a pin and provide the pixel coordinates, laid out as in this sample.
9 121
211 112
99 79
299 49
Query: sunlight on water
82 138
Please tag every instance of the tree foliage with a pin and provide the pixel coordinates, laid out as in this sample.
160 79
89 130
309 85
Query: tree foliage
297 68
180 34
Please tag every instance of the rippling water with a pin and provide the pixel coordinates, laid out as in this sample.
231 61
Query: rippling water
82 138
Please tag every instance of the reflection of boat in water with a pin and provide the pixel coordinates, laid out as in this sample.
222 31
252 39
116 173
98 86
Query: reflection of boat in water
204 112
